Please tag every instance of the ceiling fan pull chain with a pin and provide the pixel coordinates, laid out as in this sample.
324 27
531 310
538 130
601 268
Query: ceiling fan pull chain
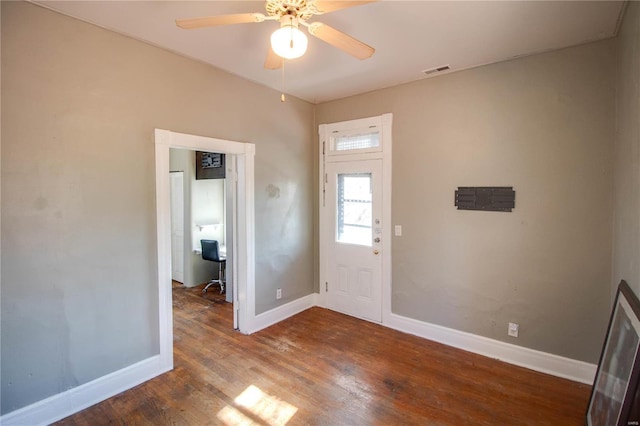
282 98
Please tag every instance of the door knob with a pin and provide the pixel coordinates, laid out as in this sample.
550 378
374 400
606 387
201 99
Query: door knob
376 252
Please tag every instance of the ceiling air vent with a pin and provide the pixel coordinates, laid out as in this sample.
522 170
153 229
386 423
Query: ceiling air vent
436 69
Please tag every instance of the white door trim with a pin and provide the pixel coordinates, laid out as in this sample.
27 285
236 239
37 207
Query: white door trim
324 131
245 243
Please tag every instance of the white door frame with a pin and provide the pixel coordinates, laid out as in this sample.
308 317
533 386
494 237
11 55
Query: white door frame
243 249
231 231
324 131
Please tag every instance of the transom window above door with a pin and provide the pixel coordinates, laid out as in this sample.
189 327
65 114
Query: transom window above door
355 141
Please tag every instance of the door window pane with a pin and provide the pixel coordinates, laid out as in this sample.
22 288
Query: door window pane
354 209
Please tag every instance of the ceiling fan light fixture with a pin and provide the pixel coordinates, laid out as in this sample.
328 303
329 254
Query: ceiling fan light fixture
288 41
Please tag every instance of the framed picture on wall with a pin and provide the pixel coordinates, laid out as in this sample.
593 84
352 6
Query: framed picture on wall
210 165
614 395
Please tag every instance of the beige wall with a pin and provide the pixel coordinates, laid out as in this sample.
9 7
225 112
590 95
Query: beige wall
626 245
79 108
542 124
79 105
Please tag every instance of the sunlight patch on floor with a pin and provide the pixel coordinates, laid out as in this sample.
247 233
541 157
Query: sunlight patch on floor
256 407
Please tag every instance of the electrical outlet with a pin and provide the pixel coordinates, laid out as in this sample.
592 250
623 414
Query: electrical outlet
513 329
279 293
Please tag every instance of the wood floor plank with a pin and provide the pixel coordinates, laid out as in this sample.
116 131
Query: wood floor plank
324 368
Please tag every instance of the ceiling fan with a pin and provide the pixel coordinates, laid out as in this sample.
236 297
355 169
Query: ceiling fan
288 41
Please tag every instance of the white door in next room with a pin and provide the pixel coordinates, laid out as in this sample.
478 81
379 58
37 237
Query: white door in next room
177 226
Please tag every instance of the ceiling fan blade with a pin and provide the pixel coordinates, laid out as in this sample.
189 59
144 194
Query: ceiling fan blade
211 21
326 6
273 61
342 41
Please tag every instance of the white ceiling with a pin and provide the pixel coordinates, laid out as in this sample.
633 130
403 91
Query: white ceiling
409 37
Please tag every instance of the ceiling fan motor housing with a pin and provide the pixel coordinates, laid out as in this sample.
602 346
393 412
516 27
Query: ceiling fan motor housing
301 9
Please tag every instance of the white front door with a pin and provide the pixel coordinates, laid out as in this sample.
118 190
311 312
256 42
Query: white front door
177 226
354 251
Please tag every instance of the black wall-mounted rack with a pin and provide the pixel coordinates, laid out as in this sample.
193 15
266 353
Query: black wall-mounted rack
487 198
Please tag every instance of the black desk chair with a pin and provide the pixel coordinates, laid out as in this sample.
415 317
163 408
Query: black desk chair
210 251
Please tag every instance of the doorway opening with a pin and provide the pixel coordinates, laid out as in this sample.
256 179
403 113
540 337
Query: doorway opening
241 250
202 227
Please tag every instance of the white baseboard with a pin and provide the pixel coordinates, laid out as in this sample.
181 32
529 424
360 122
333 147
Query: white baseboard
283 312
64 404
69 402
543 362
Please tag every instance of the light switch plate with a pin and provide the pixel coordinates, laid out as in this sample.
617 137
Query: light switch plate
398 230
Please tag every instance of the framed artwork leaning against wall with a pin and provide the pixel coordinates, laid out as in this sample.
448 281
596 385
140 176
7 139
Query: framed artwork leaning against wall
614 396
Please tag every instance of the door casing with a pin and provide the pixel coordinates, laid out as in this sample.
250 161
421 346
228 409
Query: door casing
384 123
243 249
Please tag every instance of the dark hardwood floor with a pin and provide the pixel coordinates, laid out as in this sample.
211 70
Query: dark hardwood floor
323 368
